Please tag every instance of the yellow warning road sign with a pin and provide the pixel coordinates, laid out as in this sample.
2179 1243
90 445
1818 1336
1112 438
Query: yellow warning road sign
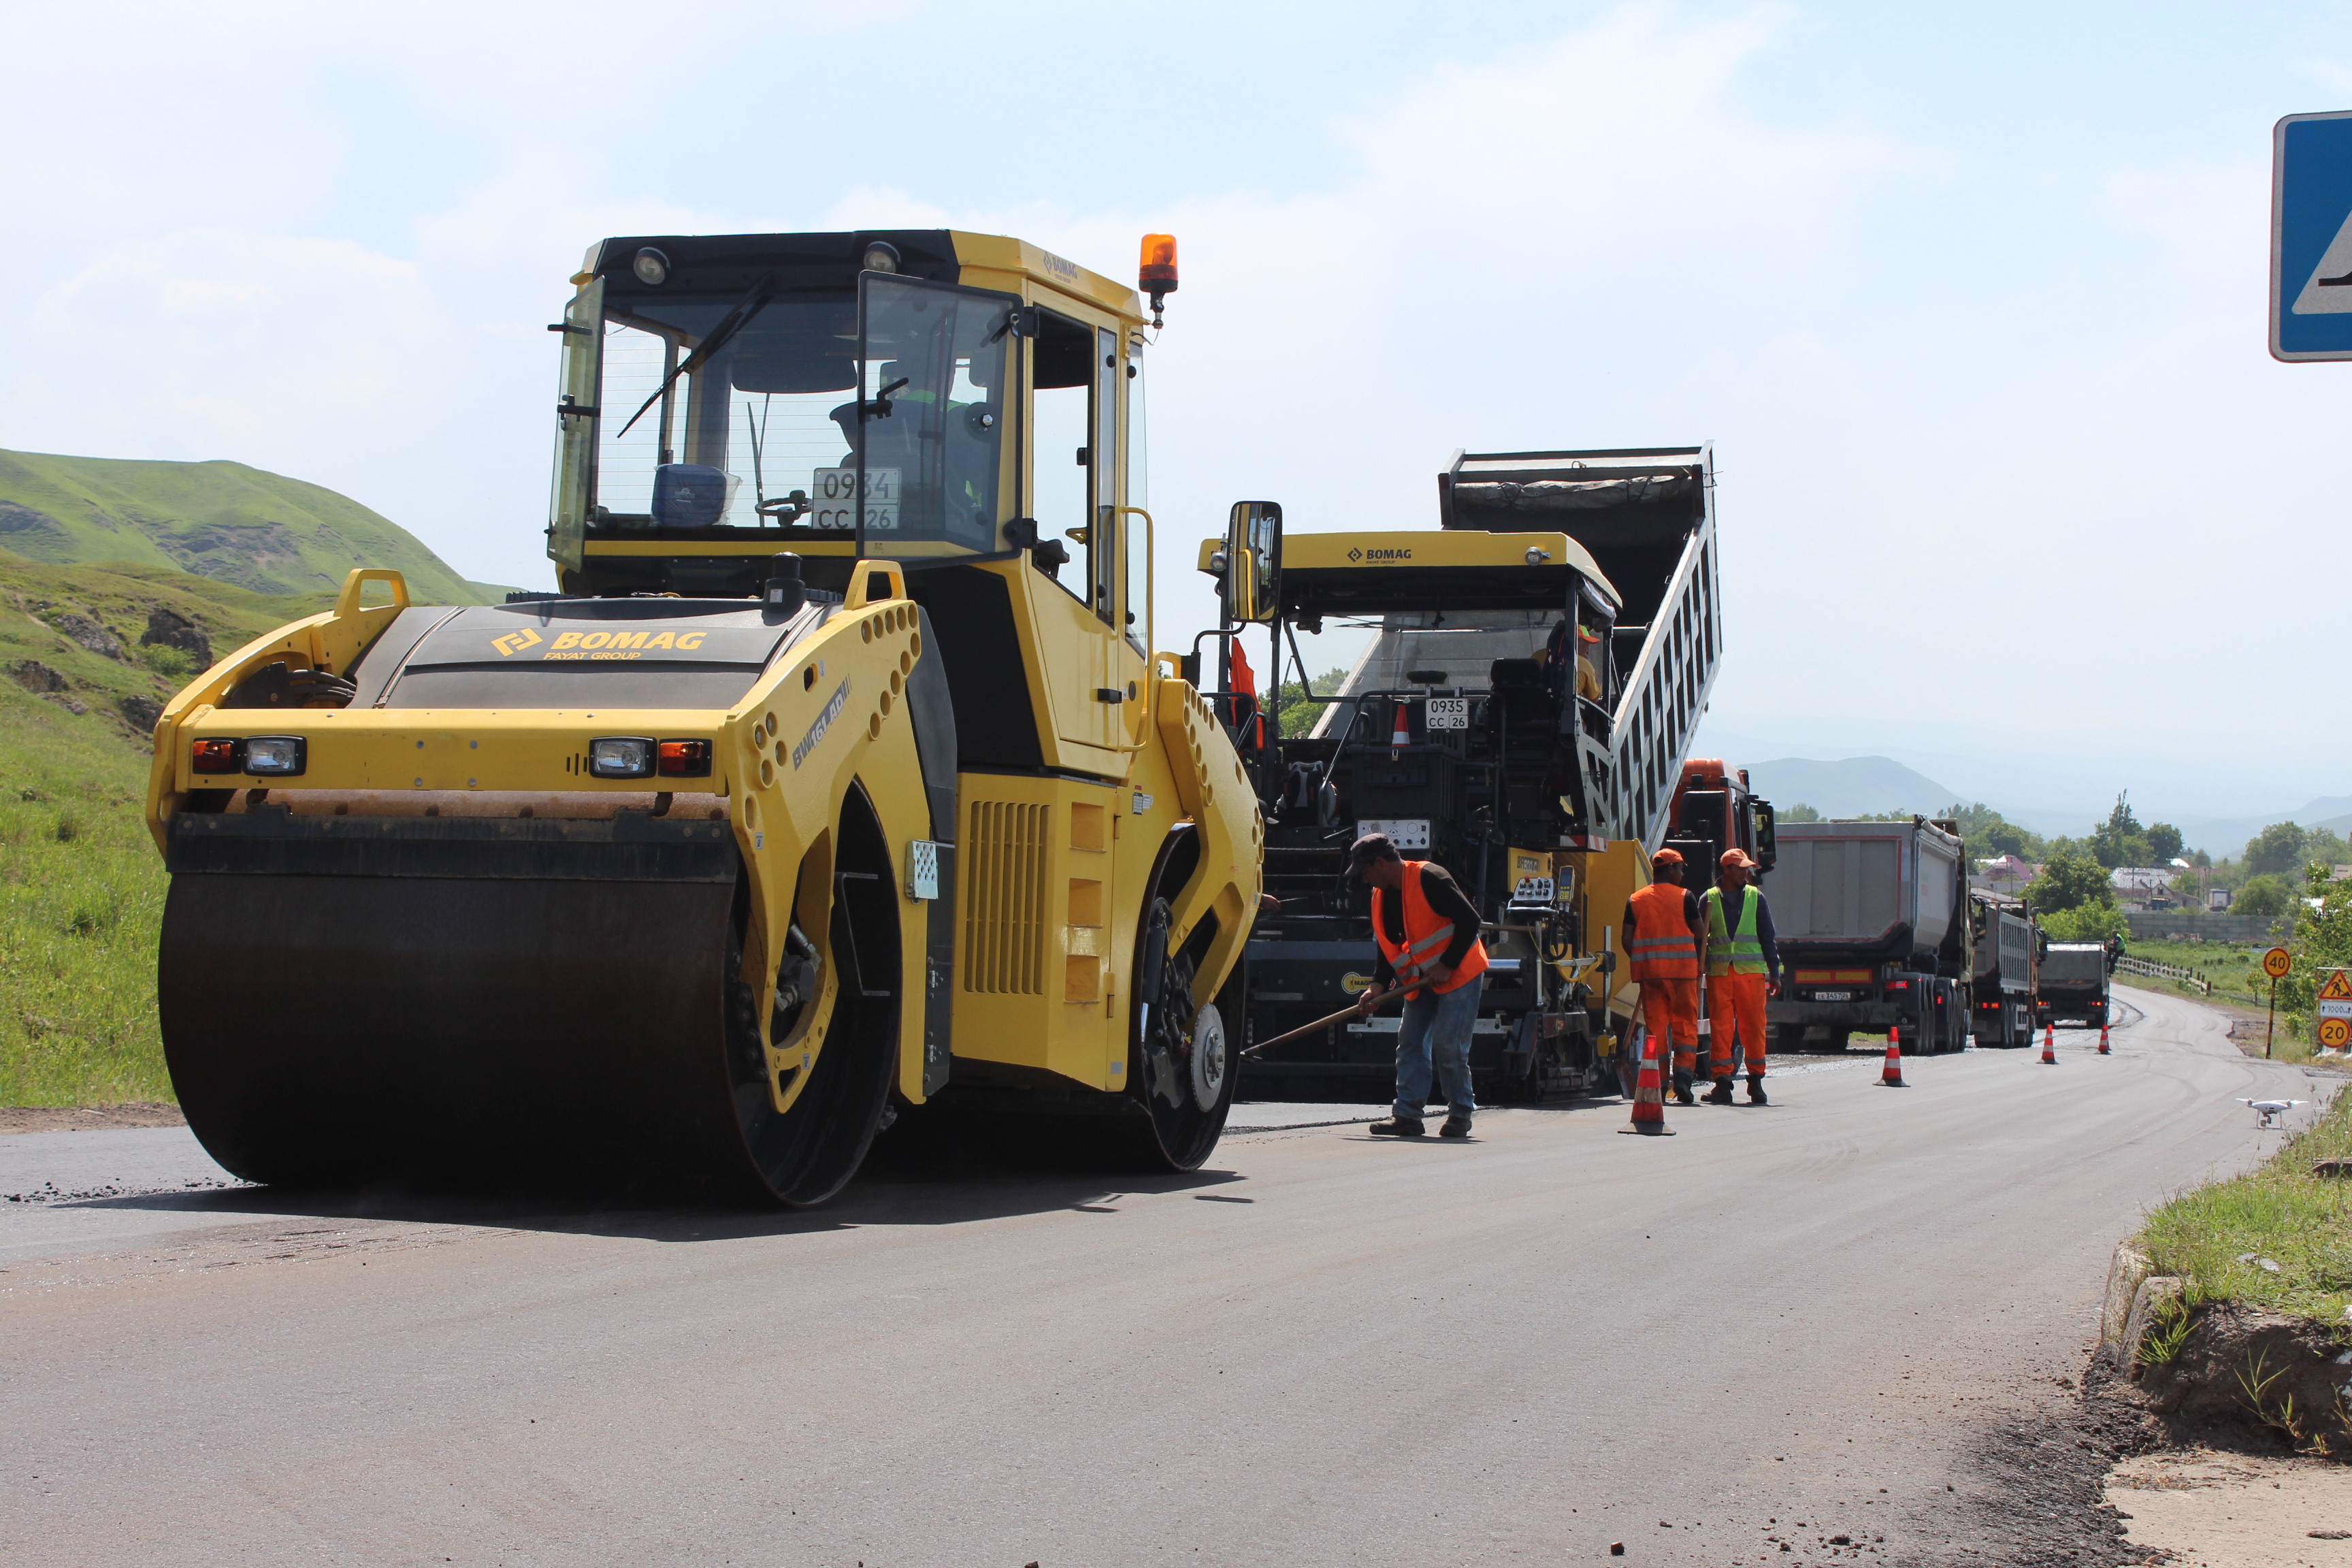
2338 989
2277 962
2334 1033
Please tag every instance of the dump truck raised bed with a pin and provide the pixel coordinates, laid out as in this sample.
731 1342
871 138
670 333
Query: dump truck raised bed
1520 716
1872 924
2073 987
2005 943
837 778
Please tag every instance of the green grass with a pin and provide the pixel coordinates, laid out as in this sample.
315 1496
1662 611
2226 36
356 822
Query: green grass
225 520
2239 985
81 884
2281 1211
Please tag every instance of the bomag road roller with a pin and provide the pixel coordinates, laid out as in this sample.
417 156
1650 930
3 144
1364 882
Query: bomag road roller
837 776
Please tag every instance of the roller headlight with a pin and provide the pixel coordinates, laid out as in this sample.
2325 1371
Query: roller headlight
881 256
279 756
621 757
651 267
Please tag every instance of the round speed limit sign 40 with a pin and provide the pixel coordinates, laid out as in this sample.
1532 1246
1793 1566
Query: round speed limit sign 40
2277 962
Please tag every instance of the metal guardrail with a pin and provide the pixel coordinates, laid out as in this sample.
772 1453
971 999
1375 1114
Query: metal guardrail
2130 965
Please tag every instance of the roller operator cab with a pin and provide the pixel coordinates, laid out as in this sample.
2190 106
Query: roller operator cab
838 778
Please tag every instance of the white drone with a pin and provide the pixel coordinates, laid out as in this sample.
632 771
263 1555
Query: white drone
2270 1111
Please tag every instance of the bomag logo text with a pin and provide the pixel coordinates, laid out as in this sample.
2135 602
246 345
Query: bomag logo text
1357 554
515 642
621 645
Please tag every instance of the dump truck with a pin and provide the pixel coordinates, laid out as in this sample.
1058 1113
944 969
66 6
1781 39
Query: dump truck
1520 717
2006 945
2074 988
1872 923
837 776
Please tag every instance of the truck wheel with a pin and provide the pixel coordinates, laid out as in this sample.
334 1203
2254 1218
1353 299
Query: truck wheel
1838 1040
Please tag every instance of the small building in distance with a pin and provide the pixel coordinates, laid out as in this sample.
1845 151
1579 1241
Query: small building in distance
2004 874
2143 887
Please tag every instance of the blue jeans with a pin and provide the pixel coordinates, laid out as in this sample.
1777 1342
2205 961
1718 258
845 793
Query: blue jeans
1437 1026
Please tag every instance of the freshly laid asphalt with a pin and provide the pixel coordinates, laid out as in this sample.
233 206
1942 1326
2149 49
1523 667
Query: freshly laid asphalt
1783 1323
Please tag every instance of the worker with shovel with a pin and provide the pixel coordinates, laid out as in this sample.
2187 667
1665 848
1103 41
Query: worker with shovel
1428 936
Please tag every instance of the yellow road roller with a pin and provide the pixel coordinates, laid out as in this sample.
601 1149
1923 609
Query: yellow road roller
837 776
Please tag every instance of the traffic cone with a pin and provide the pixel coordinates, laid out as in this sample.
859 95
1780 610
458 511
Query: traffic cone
1650 1096
2050 1045
1400 736
2103 1040
1893 1077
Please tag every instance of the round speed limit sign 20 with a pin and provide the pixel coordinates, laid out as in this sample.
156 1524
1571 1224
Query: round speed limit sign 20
2334 1033
2277 962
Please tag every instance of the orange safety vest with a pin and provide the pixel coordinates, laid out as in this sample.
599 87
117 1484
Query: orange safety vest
1664 948
1426 937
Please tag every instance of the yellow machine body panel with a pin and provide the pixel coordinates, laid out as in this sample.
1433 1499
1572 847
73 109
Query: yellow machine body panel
949 746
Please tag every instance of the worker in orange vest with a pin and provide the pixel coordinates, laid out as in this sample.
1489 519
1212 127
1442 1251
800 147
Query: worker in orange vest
1428 935
1663 932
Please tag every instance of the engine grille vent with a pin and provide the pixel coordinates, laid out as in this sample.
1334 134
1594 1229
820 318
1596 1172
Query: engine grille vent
1006 847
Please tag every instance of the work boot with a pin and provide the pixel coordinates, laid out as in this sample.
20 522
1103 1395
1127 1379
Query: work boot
1398 1127
1682 1095
1721 1093
1456 1127
1755 1089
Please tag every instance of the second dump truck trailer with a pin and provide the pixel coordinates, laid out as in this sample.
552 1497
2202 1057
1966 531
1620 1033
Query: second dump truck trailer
1873 923
2001 987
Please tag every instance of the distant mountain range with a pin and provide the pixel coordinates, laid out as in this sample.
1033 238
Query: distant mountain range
224 520
1859 786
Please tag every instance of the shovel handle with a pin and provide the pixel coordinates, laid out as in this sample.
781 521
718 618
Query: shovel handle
1320 1024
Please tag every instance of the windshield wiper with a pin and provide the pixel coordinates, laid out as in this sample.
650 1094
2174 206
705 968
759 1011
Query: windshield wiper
734 322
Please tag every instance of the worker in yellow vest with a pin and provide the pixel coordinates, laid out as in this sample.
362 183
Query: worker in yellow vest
1663 931
1743 968
1428 935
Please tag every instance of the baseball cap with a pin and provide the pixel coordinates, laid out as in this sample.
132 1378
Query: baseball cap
1371 847
1736 858
1667 858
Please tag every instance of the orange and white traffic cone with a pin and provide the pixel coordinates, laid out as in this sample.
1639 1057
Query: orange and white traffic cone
1399 735
2103 1040
1893 1077
1650 1096
2050 1045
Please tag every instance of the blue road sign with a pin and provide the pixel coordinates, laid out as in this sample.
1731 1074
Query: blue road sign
2311 236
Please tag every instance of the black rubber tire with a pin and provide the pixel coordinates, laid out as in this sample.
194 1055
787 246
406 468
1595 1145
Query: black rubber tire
1155 1135
804 1154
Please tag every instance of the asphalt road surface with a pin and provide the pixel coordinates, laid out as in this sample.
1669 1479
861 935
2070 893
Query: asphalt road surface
1826 1315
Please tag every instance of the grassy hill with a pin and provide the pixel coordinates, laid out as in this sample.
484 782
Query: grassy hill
82 886
219 520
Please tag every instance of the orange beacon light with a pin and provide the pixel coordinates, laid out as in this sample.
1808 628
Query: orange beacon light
1157 276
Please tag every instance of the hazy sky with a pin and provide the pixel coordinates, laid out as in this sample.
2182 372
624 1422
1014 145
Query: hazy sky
1969 299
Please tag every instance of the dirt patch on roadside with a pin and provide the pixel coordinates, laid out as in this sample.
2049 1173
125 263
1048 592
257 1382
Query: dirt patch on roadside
2236 1510
87 1118
2258 1380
